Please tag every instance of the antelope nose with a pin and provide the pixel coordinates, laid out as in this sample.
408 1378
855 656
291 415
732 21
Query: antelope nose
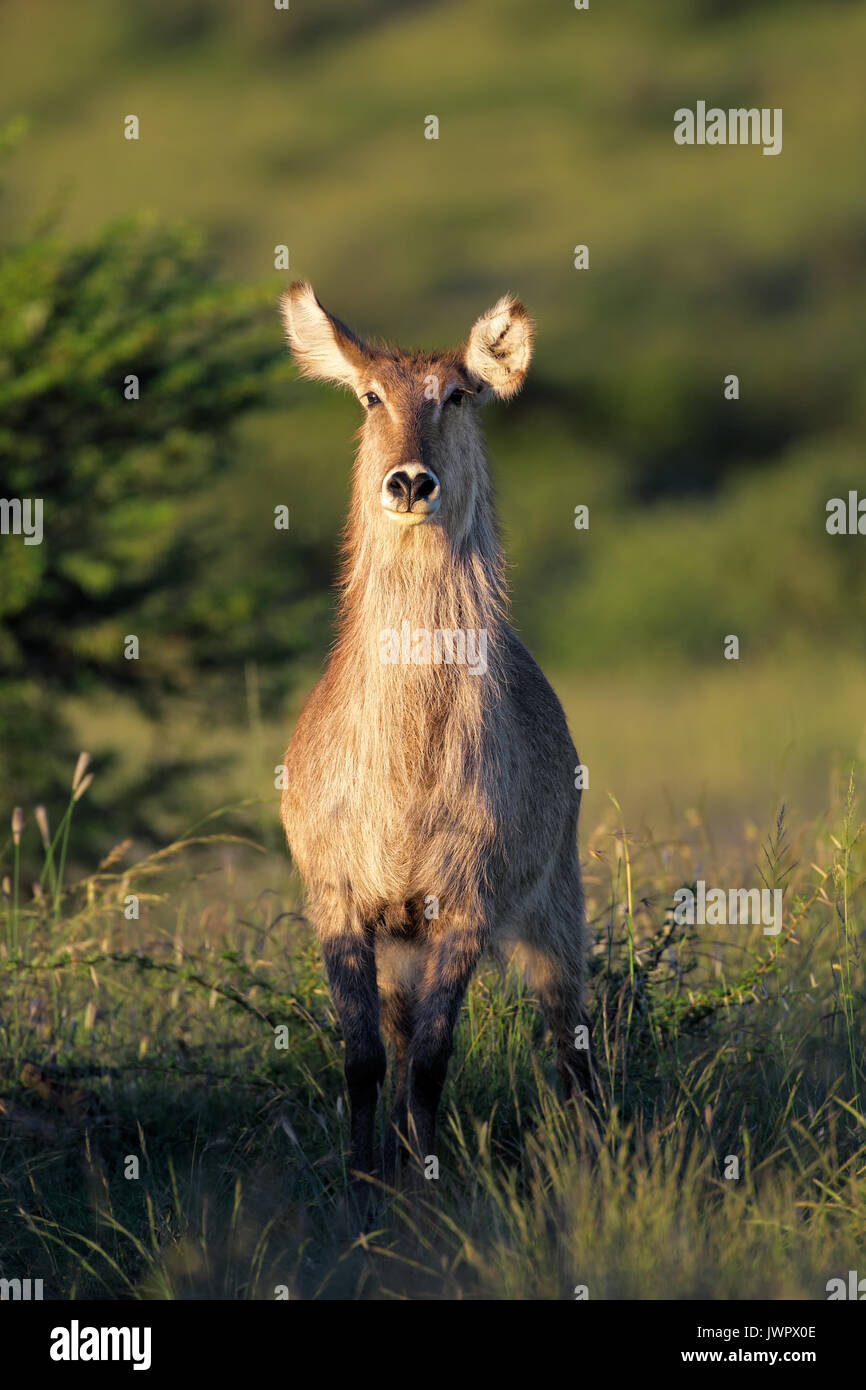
410 488
406 488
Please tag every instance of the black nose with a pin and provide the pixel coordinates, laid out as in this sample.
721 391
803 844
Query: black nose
411 490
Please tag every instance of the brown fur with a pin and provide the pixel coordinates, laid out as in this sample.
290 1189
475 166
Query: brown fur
411 780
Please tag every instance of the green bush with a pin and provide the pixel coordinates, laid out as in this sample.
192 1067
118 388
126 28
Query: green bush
136 538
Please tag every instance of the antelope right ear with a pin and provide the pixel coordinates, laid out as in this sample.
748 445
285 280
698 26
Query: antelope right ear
500 347
323 347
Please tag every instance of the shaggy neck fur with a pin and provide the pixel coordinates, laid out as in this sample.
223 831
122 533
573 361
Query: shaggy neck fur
418 725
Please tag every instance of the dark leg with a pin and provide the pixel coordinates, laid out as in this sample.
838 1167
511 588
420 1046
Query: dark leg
552 953
351 965
397 1024
453 956
576 1065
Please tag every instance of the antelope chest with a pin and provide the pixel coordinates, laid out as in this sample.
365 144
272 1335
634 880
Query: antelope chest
388 834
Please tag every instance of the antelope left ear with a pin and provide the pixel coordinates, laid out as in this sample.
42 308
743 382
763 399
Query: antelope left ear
500 347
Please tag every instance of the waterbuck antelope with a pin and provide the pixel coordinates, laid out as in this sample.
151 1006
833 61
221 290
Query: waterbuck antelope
430 799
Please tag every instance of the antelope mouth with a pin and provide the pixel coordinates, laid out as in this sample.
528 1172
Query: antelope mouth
416 517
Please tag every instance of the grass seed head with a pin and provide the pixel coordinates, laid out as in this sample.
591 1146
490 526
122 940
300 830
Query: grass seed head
44 828
81 767
82 787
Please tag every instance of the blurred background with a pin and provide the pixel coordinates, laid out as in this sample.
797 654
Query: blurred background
305 127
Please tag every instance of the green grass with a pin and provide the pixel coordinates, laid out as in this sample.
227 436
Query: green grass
155 1039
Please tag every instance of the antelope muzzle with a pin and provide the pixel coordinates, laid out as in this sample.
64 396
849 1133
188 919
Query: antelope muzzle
410 493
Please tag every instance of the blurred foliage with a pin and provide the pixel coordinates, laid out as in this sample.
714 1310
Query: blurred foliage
136 539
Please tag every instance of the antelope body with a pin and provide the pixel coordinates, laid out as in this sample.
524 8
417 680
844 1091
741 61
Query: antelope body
429 801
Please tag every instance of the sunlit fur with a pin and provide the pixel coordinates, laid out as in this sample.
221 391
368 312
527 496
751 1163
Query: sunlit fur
413 786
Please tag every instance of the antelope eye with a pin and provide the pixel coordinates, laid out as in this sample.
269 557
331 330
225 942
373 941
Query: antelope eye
456 398
371 399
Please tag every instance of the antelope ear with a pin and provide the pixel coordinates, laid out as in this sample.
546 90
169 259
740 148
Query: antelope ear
322 346
500 346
